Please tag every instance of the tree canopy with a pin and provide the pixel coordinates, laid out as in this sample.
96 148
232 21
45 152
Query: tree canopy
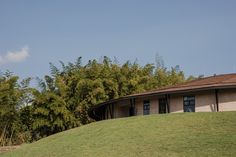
63 98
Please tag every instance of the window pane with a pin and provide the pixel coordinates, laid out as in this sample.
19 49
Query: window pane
186 103
189 104
146 107
192 102
190 98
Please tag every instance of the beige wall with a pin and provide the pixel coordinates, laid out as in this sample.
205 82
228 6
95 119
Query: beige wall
154 105
139 106
204 102
176 103
227 100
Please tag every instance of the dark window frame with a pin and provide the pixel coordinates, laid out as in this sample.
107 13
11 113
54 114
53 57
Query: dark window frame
162 104
146 107
189 103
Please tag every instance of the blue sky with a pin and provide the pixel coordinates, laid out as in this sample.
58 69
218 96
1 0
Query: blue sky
198 35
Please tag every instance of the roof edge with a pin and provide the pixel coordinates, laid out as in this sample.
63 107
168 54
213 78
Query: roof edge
164 93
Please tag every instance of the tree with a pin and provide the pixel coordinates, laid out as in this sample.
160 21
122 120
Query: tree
10 101
50 115
64 97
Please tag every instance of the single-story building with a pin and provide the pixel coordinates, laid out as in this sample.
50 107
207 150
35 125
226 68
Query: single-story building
210 94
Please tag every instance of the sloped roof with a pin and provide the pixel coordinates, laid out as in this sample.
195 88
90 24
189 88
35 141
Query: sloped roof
216 81
212 82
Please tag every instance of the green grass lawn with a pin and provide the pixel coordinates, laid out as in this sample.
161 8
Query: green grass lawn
182 134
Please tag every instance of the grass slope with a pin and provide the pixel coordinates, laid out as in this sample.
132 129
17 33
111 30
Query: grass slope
183 134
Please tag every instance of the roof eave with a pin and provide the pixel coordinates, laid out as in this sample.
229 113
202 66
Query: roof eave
158 93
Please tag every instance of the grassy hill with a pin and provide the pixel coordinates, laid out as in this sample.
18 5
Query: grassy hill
183 134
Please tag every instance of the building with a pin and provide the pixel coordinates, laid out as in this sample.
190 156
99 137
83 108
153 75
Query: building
210 94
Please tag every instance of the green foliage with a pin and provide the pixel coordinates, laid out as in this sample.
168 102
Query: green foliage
63 98
66 96
13 96
50 115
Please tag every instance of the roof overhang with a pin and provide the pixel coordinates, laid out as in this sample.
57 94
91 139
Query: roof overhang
167 91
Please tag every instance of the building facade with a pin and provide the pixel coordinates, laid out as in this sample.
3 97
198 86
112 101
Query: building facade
211 94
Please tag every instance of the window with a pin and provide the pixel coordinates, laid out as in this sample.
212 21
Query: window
189 103
146 107
162 105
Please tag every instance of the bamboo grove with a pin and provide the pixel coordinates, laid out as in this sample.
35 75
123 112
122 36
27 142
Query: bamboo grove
62 99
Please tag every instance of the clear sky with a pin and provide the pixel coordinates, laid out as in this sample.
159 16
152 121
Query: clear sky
198 35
